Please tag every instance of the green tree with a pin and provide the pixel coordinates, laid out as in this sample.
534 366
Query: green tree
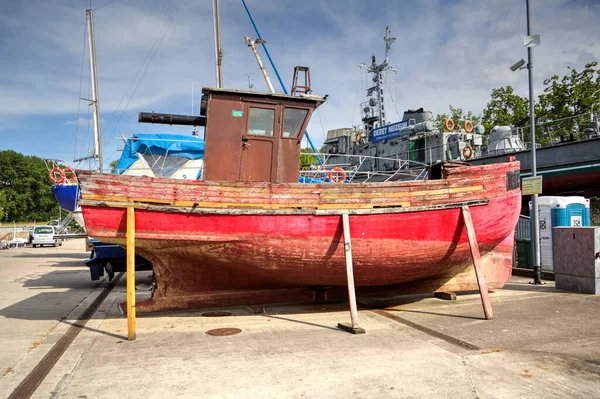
565 104
113 166
26 189
306 160
458 116
505 109
563 108
2 203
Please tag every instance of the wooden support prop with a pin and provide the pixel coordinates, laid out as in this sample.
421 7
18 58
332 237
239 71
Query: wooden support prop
130 274
483 289
447 296
353 327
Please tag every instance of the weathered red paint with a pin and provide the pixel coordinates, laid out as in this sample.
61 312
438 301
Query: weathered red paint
225 259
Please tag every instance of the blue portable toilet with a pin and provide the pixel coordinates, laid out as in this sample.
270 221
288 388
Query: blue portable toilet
555 212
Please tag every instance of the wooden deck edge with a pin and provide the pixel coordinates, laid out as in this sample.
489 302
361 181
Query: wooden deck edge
282 211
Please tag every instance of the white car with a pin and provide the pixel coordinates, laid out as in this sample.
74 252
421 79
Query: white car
44 235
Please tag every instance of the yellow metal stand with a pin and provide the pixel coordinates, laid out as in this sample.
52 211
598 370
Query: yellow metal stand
130 274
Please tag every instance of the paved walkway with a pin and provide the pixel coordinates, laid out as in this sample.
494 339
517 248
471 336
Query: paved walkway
543 343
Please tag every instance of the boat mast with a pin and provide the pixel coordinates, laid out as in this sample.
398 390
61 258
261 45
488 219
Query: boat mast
218 49
94 101
373 109
250 44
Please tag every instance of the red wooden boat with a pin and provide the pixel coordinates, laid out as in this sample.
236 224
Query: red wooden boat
262 238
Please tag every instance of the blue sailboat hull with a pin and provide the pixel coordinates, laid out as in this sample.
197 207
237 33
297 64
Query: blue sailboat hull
113 258
67 195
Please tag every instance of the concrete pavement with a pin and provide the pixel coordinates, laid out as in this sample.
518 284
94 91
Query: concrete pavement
38 288
542 343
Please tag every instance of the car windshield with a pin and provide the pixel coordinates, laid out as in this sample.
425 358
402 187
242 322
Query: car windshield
43 230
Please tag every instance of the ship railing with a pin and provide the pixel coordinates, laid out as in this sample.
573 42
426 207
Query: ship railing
353 167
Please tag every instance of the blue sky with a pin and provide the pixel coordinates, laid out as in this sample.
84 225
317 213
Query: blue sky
447 52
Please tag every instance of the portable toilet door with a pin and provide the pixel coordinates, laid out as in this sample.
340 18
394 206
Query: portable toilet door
545 206
555 212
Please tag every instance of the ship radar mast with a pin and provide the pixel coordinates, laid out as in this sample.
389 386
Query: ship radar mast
373 110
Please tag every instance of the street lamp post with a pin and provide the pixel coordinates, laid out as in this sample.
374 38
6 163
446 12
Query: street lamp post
530 42
537 276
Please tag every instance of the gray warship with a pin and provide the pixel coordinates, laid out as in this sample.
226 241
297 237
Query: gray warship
378 147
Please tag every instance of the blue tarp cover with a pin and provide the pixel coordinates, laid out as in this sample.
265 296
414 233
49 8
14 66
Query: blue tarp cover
311 180
179 145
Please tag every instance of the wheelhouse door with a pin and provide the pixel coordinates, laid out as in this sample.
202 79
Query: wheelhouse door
259 142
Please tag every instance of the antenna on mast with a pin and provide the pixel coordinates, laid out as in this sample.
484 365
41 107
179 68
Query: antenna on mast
373 110
388 41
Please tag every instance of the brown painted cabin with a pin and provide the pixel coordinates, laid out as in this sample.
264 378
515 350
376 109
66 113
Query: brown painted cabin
253 136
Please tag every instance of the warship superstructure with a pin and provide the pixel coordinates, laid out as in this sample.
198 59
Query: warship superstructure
418 137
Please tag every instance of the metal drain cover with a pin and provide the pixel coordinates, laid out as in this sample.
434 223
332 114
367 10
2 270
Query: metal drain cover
216 314
221 332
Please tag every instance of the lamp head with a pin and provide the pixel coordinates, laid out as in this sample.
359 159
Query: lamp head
517 65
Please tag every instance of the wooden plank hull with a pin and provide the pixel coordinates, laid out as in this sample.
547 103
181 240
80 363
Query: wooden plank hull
245 255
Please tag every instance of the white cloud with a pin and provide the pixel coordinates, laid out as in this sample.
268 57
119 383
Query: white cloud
82 122
447 53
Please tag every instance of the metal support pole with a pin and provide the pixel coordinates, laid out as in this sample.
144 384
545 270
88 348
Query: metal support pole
537 268
476 256
353 327
218 49
131 333
250 44
95 101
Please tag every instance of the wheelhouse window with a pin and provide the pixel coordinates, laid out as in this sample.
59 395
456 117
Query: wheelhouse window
293 120
261 121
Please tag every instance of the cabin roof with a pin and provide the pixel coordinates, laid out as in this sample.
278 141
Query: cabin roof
307 97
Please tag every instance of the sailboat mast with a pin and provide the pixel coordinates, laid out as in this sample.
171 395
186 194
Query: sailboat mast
94 78
218 49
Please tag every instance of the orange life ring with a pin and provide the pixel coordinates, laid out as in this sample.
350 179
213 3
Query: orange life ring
61 175
72 178
335 173
358 138
469 126
467 152
449 124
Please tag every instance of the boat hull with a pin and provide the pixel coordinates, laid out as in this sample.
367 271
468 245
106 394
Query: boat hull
67 196
206 257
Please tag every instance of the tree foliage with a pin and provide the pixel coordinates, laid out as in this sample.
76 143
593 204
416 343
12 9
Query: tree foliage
2 203
25 190
562 109
565 104
458 116
505 109
306 160
113 166
595 211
